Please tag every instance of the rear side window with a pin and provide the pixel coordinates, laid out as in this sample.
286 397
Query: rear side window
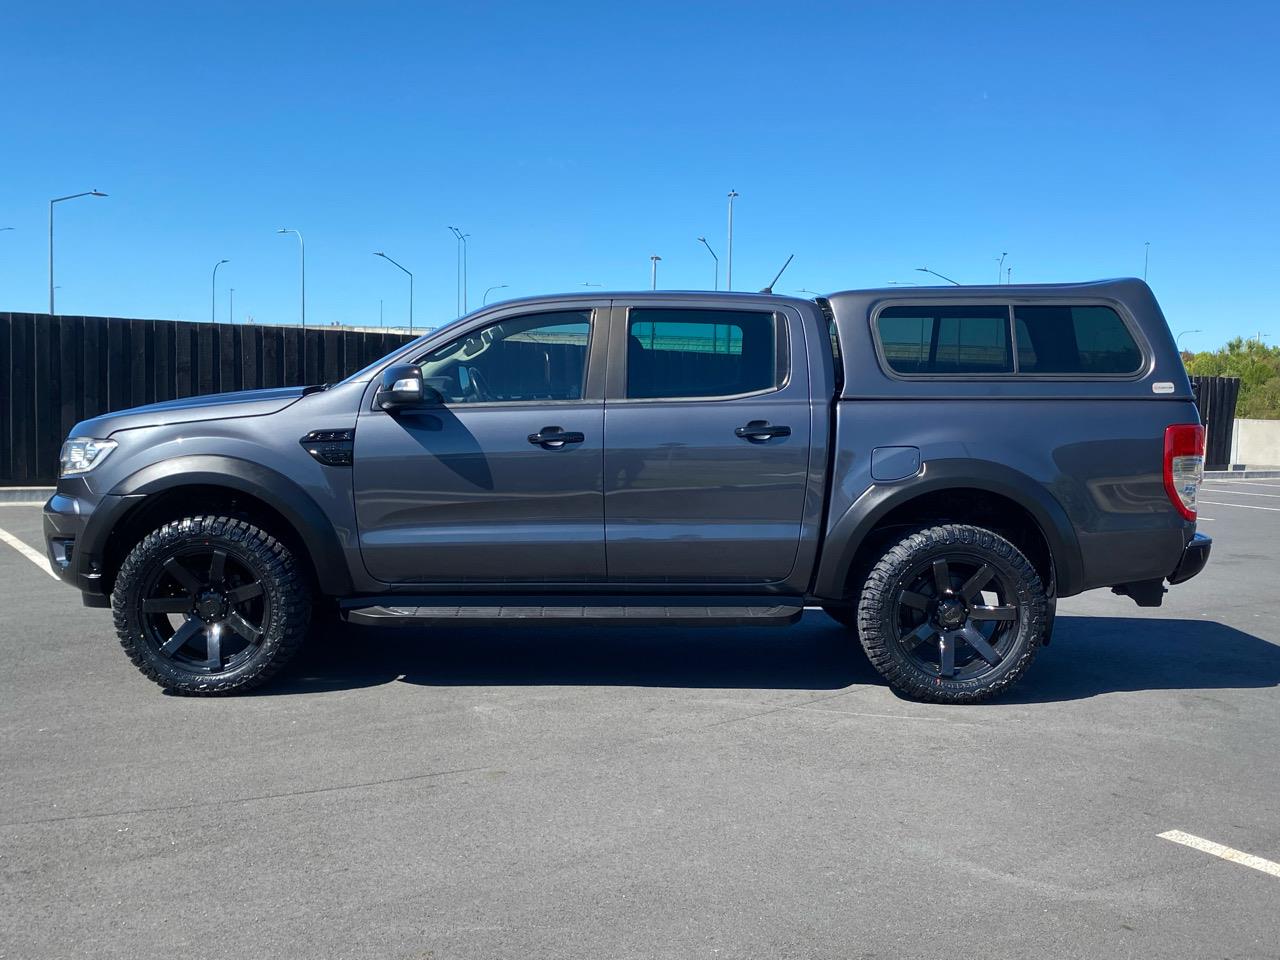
944 339
703 353
1074 339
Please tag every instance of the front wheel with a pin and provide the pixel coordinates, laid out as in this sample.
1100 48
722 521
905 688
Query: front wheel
952 614
210 605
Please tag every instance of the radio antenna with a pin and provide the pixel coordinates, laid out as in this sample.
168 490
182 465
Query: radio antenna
769 288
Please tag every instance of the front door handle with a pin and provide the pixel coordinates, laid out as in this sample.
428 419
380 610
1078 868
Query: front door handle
759 431
553 438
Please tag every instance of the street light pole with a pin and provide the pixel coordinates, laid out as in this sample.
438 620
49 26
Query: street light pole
1146 259
213 291
653 272
231 305
937 274
302 246
497 286
703 241
73 196
1000 269
462 269
728 275
401 266
1178 339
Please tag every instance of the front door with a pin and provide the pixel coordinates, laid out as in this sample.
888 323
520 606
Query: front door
707 434
502 482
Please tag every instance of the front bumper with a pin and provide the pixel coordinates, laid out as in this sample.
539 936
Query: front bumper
75 535
1194 556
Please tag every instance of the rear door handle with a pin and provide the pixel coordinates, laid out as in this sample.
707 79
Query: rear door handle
553 438
758 431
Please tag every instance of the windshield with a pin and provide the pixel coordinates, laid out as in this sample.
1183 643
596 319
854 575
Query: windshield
364 373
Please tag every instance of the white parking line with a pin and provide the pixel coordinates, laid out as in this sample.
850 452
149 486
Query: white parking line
1248 483
30 554
1242 506
1218 850
1246 493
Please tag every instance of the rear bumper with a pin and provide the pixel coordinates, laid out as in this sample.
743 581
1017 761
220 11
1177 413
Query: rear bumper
1150 593
1194 556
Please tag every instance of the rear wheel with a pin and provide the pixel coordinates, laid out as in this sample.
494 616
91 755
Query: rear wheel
952 614
210 605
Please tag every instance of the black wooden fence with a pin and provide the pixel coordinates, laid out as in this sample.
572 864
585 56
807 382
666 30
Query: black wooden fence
1216 397
65 369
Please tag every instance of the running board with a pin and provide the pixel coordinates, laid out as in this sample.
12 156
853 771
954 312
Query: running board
585 611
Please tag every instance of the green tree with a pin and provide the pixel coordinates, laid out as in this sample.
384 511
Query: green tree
1257 366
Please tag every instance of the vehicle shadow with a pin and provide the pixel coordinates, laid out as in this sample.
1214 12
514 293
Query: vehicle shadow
1089 656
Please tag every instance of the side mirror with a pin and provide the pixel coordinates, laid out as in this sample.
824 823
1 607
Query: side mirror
402 388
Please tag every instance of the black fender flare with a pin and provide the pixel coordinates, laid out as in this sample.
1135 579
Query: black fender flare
846 534
309 521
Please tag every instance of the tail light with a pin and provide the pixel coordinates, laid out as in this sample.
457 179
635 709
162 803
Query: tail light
1183 466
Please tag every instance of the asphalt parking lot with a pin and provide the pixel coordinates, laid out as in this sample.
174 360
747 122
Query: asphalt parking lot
633 793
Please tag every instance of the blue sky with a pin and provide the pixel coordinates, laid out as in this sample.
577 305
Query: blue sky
574 140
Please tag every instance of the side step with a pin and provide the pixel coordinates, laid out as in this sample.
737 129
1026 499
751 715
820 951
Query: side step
585 611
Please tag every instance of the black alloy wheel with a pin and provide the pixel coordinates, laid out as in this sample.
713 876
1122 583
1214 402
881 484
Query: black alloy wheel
953 614
946 622
204 609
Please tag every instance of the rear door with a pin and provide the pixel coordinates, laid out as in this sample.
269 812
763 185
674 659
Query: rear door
707 433
502 482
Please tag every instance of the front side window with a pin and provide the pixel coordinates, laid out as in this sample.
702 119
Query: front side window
531 358
1074 339
960 339
703 353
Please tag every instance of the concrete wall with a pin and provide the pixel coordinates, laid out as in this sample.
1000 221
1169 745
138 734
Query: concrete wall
1256 443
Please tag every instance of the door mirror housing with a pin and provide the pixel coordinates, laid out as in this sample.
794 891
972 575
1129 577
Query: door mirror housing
403 389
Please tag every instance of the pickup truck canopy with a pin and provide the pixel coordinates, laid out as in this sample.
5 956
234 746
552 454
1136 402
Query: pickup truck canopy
872 372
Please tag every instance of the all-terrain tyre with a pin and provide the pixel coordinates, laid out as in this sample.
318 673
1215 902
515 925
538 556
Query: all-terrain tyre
210 605
952 614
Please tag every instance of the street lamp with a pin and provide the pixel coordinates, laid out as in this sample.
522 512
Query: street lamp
653 272
302 247
1000 269
213 291
231 305
728 276
703 241
379 253
936 274
73 196
1146 259
1179 337
462 269
497 286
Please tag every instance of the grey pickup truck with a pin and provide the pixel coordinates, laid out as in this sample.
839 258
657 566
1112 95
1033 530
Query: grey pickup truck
933 467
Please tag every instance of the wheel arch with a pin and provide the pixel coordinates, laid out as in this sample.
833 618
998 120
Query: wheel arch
201 484
958 491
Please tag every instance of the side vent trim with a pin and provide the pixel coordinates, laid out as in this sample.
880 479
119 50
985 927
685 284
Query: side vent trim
333 448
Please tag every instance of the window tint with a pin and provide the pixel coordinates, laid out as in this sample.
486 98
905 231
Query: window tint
539 357
702 353
946 339
1074 339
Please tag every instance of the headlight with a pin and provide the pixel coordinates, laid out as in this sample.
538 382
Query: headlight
80 455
